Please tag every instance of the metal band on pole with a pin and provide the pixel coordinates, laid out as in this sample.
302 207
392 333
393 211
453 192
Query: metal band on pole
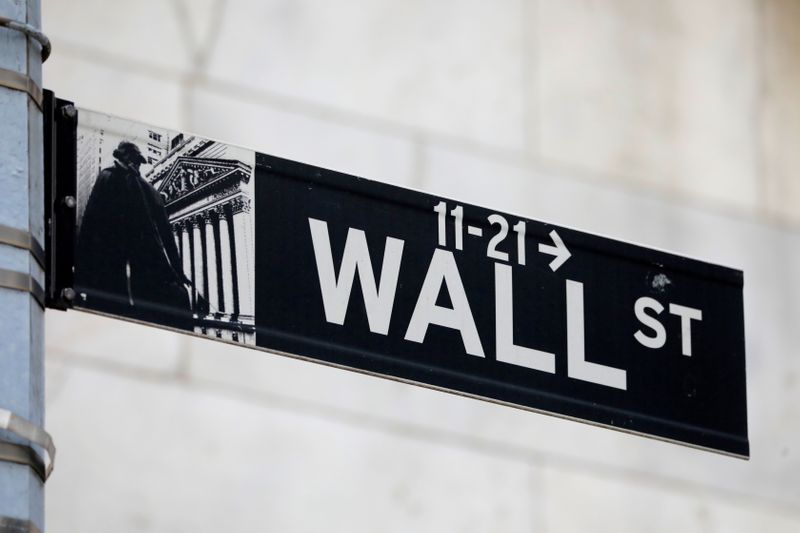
29 431
11 279
15 525
24 455
32 32
22 239
20 82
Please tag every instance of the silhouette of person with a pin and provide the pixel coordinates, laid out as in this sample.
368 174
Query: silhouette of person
126 261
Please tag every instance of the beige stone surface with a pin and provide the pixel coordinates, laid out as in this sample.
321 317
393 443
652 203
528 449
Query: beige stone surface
112 342
305 137
576 502
450 66
145 30
781 113
151 456
657 92
115 88
672 124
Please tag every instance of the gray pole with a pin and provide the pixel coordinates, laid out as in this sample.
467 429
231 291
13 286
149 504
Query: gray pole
21 316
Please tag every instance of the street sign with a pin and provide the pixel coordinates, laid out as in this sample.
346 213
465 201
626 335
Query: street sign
200 236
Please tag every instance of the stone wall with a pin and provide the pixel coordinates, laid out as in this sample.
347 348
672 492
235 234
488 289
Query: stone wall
672 123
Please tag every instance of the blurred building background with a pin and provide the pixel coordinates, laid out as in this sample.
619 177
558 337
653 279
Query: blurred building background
671 123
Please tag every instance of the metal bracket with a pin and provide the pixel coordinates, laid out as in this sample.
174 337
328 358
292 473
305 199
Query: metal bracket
32 33
21 82
28 431
11 279
24 240
60 168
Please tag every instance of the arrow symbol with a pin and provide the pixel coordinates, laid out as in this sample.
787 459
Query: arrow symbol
559 251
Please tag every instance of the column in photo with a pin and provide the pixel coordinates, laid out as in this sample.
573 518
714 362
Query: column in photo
243 228
201 229
212 292
198 268
220 292
225 256
186 253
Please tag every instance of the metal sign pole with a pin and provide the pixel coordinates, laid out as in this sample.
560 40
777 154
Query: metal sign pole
25 449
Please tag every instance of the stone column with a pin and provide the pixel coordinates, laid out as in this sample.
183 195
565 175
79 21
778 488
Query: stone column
211 265
218 256
178 234
189 225
243 228
186 250
234 260
197 254
225 263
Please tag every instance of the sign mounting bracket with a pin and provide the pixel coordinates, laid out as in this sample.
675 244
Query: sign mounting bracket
60 137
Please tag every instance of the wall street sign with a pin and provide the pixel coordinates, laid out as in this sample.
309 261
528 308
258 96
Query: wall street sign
196 235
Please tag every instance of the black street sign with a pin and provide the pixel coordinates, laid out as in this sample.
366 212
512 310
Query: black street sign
192 234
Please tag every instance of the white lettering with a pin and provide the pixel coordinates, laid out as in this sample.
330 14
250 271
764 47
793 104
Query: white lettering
378 301
660 337
687 314
443 269
577 365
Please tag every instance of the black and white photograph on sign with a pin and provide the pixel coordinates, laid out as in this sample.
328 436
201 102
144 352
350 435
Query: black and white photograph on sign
165 228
